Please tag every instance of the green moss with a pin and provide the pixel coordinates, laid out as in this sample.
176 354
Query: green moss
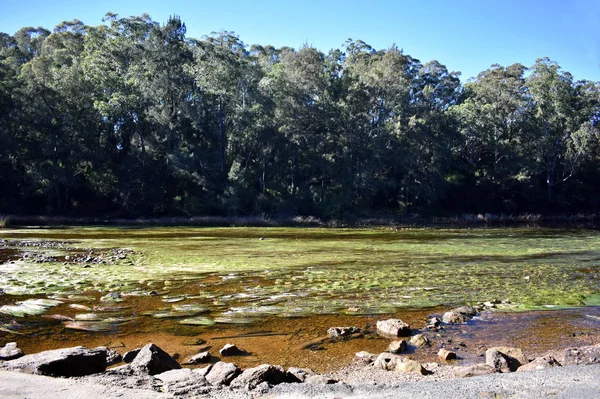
294 272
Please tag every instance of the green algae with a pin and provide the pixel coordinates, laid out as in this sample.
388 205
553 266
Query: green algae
293 272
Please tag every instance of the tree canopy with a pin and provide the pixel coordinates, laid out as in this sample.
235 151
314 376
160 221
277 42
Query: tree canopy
134 118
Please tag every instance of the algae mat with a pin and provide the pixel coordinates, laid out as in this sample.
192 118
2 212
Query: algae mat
204 276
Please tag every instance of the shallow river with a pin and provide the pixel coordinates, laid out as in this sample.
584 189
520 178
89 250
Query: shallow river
273 291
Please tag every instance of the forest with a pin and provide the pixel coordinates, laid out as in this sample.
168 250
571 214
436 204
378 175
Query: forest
133 118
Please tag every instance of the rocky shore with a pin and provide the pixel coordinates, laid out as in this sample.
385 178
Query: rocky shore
151 372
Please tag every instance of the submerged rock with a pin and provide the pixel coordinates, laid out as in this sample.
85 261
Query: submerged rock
153 360
11 351
393 328
69 362
336 332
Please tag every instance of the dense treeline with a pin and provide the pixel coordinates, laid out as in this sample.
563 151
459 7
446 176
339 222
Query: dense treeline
134 118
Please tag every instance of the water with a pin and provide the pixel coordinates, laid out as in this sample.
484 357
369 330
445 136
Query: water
285 286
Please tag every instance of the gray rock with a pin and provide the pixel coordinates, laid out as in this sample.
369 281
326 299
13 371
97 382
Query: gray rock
540 363
473 370
301 374
112 356
337 332
393 328
462 314
11 351
273 375
129 356
397 346
446 355
177 375
153 360
386 361
232 350
202 357
419 340
203 371
500 361
222 373
582 355
407 365
182 382
69 362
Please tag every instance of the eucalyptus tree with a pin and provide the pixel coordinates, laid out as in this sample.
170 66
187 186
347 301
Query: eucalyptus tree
565 115
493 120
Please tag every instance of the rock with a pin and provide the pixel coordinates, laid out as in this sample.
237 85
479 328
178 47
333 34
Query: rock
203 371
11 351
386 361
202 357
177 375
393 328
435 323
582 355
474 370
446 355
419 340
301 374
501 361
337 332
112 297
112 356
540 363
232 350
514 353
273 375
407 365
182 382
397 346
69 362
459 315
364 358
129 356
153 360
319 379
222 373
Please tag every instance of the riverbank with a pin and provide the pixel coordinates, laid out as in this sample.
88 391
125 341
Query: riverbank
579 220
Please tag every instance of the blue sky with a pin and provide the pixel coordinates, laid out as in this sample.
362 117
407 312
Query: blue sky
465 35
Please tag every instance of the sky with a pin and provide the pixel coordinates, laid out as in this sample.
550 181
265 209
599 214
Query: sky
465 35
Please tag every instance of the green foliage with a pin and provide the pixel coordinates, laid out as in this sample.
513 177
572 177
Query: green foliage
134 118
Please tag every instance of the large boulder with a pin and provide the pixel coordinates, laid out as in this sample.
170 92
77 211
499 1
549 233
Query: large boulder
272 375
11 351
112 356
69 362
391 362
182 382
393 328
222 373
540 363
153 360
130 355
